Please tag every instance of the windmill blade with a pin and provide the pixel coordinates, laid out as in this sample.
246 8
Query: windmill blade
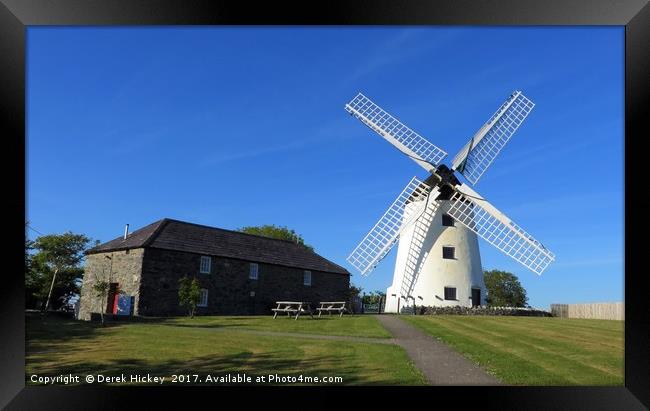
416 254
481 150
395 132
408 206
473 211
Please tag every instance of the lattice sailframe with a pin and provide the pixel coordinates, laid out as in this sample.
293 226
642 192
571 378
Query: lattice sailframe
487 222
478 154
416 255
422 151
385 233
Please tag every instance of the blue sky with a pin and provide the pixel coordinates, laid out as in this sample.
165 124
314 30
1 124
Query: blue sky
244 126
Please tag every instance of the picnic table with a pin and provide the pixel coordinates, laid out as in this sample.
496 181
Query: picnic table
329 306
292 308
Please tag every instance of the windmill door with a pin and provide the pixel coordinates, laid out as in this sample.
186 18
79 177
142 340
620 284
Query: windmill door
476 297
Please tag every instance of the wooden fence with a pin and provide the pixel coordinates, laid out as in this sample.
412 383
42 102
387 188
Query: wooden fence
603 311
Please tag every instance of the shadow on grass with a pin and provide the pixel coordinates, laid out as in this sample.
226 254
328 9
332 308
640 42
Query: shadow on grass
42 326
258 364
236 322
45 332
52 345
205 325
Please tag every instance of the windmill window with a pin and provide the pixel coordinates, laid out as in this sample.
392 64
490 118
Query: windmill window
203 298
447 220
450 293
449 253
206 263
253 271
306 278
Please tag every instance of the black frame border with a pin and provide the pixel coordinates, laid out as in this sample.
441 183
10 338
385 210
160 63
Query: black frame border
17 15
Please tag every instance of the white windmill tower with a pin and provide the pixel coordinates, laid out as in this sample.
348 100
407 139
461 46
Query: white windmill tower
437 220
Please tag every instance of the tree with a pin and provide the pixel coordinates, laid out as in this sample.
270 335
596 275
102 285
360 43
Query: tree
374 297
32 283
354 295
41 282
101 288
504 289
54 271
29 245
273 231
354 291
189 294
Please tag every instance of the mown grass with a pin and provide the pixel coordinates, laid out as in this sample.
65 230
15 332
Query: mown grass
58 346
348 325
535 350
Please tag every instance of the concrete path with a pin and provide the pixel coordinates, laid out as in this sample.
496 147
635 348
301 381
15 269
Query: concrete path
439 363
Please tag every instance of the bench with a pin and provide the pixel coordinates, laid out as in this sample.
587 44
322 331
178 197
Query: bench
329 306
292 308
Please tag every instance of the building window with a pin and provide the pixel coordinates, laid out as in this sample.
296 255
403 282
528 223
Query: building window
306 278
206 263
448 252
450 293
447 220
253 271
203 298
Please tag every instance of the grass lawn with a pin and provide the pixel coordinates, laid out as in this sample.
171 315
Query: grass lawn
535 350
357 325
182 346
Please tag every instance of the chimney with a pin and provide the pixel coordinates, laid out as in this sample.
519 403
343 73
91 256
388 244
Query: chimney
126 231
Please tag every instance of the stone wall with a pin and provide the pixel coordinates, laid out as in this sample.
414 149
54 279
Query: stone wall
152 277
230 291
123 268
478 310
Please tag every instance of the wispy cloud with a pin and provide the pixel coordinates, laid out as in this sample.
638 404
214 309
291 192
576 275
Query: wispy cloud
131 142
323 134
404 45
559 202
539 154
220 158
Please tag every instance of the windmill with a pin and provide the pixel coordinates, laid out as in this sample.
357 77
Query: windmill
438 261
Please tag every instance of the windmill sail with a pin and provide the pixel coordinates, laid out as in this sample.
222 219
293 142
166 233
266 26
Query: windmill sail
470 209
477 155
408 206
416 253
395 132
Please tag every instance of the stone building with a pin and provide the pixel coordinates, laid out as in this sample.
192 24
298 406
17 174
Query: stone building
238 273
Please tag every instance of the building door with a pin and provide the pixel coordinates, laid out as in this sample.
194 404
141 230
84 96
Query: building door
112 293
476 297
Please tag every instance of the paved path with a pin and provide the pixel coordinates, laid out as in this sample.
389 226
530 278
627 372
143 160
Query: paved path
439 363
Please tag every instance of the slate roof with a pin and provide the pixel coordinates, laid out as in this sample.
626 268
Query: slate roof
178 235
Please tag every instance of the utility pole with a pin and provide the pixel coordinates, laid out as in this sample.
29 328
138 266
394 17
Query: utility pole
49 295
